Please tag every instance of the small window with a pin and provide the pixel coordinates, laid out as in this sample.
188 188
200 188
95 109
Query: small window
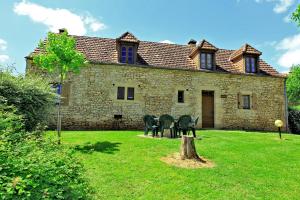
246 101
180 96
206 61
250 64
130 93
127 54
121 93
123 55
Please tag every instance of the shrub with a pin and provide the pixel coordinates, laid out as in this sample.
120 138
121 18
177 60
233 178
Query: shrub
32 96
294 121
32 167
11 124
40 170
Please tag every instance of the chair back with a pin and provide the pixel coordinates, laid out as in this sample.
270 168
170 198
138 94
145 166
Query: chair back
166 121
196 121
184 122
149 121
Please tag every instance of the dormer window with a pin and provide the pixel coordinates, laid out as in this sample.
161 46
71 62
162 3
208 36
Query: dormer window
127 54
250 64
204 55
127 47
206 61
245 59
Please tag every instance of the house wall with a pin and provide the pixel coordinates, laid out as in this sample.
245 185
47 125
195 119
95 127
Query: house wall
92 101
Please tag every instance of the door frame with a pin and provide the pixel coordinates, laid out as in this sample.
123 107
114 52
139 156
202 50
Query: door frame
214 107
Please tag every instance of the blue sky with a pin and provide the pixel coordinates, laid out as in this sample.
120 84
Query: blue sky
227 24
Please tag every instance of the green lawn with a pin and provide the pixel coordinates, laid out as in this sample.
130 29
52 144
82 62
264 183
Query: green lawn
249 165
296 107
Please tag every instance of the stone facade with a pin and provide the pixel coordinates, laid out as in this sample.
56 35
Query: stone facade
92 97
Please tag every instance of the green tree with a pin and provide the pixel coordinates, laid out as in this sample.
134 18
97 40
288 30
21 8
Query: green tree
293 84
58 55
293 80
296 15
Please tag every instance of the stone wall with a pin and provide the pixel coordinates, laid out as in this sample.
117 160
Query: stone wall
92 101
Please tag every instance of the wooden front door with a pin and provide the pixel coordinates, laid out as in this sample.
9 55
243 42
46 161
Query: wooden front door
208 109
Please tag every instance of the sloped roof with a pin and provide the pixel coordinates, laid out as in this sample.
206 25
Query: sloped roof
206 45
155 54
128 37
246 48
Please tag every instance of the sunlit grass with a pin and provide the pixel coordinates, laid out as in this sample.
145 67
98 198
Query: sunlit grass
249 165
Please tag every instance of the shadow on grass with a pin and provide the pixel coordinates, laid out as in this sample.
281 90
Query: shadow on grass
103 147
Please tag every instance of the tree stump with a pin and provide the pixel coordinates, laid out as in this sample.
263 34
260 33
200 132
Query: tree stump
188 150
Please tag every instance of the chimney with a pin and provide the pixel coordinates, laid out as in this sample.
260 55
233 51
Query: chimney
192 43
61 30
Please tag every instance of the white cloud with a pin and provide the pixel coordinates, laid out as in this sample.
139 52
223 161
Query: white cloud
4 58
94 24
281 6
58 18
3 44
290 47
167 41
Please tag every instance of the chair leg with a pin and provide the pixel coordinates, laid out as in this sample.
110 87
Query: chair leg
171 133
146 131
162 133
153 132
194 132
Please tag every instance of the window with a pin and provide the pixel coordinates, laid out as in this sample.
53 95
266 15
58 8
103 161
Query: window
130 93
206 61
246 101
127 54
180 96
250 64
121 93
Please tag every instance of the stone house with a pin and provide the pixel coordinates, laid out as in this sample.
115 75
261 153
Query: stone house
127 78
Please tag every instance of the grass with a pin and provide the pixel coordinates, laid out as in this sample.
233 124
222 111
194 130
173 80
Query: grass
296 107
249 165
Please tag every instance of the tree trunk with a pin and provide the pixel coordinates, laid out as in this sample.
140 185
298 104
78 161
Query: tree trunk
59 120
59 123
188 150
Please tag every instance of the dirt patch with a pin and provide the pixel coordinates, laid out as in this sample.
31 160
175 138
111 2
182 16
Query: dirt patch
175 160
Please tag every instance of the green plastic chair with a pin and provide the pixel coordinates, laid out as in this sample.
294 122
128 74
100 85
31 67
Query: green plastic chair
166 122
192 126
184 122
150 124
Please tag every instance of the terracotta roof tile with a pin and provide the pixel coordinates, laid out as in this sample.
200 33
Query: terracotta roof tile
206 45
103 50
128 37
244 49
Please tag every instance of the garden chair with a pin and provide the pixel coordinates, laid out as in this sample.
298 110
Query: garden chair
184 122
192 126
150 124
166 122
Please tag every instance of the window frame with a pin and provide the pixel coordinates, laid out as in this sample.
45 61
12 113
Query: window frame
127 48
122 97
247 107
204 65
128 97
248 60
180 100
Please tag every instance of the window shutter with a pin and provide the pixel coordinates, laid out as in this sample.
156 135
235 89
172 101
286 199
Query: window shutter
240 100
65 94
254 101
